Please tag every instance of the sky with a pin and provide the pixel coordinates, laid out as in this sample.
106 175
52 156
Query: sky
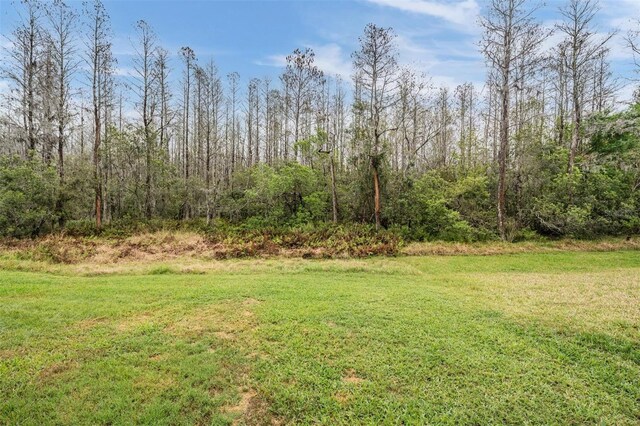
253 37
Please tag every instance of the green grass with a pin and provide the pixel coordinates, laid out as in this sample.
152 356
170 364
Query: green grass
512 339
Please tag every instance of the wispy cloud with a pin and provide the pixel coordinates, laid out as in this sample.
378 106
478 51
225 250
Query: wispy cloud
332 60
446 64
123 71
272 61
620 14
459 12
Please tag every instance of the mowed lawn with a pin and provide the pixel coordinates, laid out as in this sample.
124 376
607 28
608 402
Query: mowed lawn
507 339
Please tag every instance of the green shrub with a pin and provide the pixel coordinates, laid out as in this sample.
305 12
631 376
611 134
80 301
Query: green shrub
28 194
422 210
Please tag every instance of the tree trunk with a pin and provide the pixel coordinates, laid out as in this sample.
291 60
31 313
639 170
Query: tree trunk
575 137
96 173
334 194
502 157
376 192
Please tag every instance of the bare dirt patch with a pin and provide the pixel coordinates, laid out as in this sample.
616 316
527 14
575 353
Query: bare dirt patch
8 354
157 357
351 377
252 409
243 405
52 371
224 335
342 398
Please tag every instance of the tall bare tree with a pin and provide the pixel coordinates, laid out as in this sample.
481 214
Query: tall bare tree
63 22
253 122
511 36
376 62
302 77
23 68
233 81
583 48
162 88
98 58
144 82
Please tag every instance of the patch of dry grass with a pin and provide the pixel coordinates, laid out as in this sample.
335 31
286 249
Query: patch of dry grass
597 301
191 253
198 266
226 320
175 252
171 245
497 247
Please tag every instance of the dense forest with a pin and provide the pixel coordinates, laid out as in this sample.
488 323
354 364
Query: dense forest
542 148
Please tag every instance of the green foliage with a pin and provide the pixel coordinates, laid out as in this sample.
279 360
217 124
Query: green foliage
600 196
28 194
455 202
424 210
77 192
308 148
615 133
287 194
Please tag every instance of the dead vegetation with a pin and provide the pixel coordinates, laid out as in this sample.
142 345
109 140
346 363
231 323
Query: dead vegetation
253 410
52 371
585 300
171 252
168 246
495 247
163 245
227 321
351 377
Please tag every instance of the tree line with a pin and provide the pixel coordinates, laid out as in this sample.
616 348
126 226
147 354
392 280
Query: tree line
543 147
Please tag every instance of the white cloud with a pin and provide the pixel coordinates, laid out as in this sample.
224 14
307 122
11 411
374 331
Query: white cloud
122 45
273 61
625 92
416 55
331 59
460 12
620 14
445 64
619 49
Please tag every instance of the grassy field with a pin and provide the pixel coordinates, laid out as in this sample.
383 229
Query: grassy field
545 338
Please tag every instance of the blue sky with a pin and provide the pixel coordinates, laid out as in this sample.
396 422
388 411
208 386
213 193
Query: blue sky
252 37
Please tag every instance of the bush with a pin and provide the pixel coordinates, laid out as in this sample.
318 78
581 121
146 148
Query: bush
422 211
28 194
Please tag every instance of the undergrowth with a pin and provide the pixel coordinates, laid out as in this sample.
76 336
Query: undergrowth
354 241
167 241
